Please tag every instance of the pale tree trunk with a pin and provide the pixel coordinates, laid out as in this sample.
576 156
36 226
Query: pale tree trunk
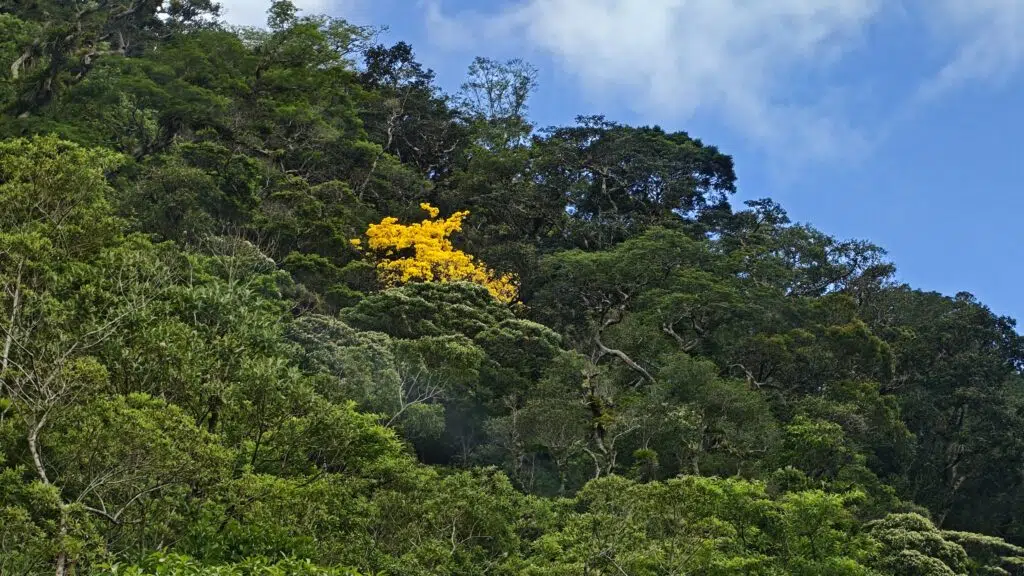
33 448
37 461
396 113
62 557
15 307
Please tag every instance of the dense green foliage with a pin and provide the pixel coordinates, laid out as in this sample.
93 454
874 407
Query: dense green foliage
200 375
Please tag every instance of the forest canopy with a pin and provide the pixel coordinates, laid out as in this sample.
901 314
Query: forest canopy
231 344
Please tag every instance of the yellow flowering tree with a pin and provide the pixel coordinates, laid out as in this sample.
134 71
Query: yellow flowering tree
423 252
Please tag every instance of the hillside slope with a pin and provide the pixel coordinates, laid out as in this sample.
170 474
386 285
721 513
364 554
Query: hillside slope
273 303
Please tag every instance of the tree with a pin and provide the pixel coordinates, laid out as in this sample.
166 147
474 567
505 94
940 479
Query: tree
201 374
615 181
127 461
407 115
957 376
423 253
494 98
73 37
406 382
912 545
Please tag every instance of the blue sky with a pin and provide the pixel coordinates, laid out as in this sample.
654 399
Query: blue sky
895 121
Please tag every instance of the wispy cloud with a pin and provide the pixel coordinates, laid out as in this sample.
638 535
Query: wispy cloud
986 38
670 59
770 70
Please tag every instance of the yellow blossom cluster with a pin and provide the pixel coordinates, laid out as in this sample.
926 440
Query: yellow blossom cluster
422 252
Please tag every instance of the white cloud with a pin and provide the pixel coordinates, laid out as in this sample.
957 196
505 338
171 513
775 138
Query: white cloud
670 59
987 37
254 12
766 68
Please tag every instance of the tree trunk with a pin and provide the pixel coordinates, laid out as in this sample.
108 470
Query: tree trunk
62 557
9 338
33 448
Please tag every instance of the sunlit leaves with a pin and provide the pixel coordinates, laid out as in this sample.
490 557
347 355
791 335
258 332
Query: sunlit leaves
423 252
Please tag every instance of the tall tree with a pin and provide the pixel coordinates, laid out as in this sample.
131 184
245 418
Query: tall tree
616 180
72 36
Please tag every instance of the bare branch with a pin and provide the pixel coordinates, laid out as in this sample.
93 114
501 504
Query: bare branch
415 388
604 350
684 345
611 316
33 447
752 382
116 517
